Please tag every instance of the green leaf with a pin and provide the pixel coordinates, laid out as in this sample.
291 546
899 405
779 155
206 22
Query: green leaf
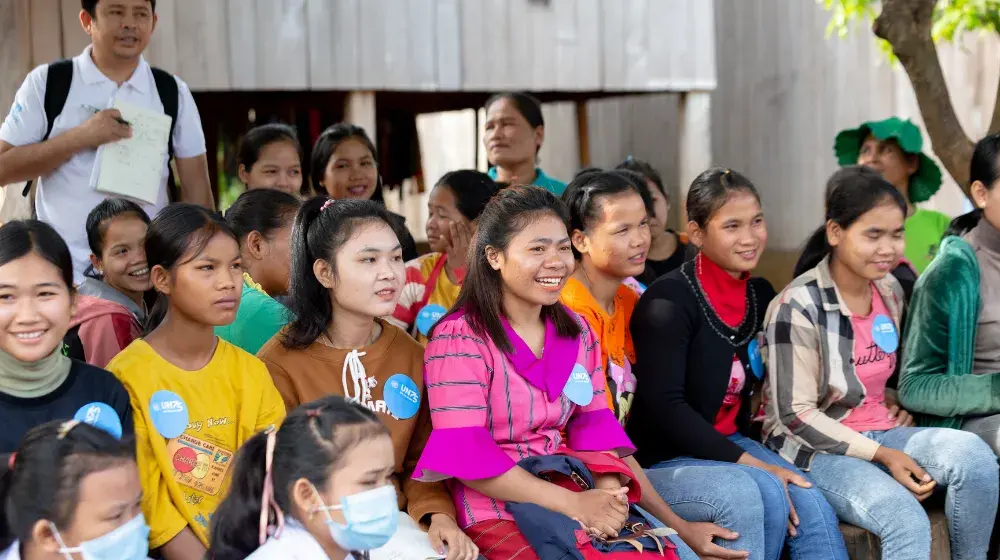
952 18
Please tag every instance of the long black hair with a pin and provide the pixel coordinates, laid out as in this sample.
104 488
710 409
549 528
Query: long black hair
985 168
327 143
311 444
587 191
321 228
178 230
262 210
20 237
472 190
42 481
510 211
851 192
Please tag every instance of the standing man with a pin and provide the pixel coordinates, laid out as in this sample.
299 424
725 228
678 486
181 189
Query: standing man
110 68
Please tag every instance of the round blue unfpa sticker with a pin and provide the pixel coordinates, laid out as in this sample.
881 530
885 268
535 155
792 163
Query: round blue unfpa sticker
884 334
100 415
169 413
401 396
579 389
428 316
756 362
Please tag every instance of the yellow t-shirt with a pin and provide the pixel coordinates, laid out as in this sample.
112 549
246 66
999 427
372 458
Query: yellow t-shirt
184 478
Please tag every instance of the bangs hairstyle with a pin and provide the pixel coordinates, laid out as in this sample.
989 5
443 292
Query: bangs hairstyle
327 143
101 216
587 192
319 233
262 210
311 444
49 466
177 235
472 190
851 192
20 237
510 211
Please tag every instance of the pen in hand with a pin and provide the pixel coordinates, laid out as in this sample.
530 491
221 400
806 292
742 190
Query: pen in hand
95 110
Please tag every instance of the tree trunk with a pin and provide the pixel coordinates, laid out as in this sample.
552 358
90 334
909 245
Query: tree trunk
906 25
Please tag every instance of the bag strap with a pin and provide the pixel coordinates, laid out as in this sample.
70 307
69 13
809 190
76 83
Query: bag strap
166 88
57 84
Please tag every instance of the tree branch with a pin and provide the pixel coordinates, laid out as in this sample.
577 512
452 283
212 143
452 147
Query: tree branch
906 25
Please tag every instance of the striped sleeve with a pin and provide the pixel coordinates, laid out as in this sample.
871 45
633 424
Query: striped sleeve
456 375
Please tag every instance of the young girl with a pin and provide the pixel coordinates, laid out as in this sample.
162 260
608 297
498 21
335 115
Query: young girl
513 135
609 221
195 398
509 371
347 273
832 343
270 157
345 165
38 383
666 248
116 231
695 333
262 220
71 491
953 329
434 280
296 488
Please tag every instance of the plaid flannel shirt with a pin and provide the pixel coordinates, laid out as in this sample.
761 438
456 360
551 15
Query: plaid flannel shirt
811 382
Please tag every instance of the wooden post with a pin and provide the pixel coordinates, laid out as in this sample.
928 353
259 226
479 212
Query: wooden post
359 109
695 138
583 133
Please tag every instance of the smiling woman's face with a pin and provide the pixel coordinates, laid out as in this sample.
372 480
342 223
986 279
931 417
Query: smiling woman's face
351 171
35 308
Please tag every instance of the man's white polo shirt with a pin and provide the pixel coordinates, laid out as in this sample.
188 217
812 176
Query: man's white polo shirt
65 197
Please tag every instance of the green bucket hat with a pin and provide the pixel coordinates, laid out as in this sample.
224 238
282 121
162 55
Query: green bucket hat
924 183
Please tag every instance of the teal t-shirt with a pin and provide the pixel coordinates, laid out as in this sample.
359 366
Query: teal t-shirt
258 319
554 186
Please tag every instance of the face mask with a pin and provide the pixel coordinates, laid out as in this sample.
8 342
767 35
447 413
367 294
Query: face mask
128 542
371 518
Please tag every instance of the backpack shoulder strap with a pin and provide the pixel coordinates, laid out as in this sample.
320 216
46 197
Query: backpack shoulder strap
166 87
57 84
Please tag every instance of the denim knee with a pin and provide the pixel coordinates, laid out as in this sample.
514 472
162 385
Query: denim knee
972 458
772 495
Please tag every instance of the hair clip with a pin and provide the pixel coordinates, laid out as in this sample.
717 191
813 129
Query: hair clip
66 427
11 460
314 412
327 204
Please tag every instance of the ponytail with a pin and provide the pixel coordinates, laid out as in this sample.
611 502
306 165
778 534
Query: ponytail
816 249
235 520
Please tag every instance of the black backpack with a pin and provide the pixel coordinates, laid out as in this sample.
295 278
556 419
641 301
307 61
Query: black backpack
57 85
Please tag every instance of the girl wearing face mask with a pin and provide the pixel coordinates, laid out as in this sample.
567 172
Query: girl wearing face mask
434 280
514 132
71 492
696 335
195 398
270 157
262 220
345 165
318 486
347 272
832 344
509 371
666 248
38 382
953 328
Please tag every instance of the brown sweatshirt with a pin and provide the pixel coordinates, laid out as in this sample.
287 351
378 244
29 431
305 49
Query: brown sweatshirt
305 375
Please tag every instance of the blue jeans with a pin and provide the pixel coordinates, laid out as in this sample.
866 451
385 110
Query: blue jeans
751 502
684 552
864 494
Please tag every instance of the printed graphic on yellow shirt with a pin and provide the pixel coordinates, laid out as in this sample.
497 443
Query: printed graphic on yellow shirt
199 464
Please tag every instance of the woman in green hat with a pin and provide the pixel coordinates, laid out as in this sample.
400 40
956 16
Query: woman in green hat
893 148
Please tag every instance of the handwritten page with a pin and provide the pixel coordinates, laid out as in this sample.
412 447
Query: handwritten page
134 167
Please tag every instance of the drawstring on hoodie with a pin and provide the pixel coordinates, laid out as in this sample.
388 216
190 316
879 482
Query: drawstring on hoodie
362 393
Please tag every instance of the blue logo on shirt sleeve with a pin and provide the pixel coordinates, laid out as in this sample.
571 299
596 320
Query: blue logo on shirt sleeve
101 416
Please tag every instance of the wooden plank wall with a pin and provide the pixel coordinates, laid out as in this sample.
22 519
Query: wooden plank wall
423 45
785 91
15 50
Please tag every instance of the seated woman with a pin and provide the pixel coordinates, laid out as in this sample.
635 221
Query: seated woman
951 366
696 336
433 280
509 371
667 249
118 272
609 221
832 343
38 383
512 136
296 488
347 271
71 491
262 220
270 157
